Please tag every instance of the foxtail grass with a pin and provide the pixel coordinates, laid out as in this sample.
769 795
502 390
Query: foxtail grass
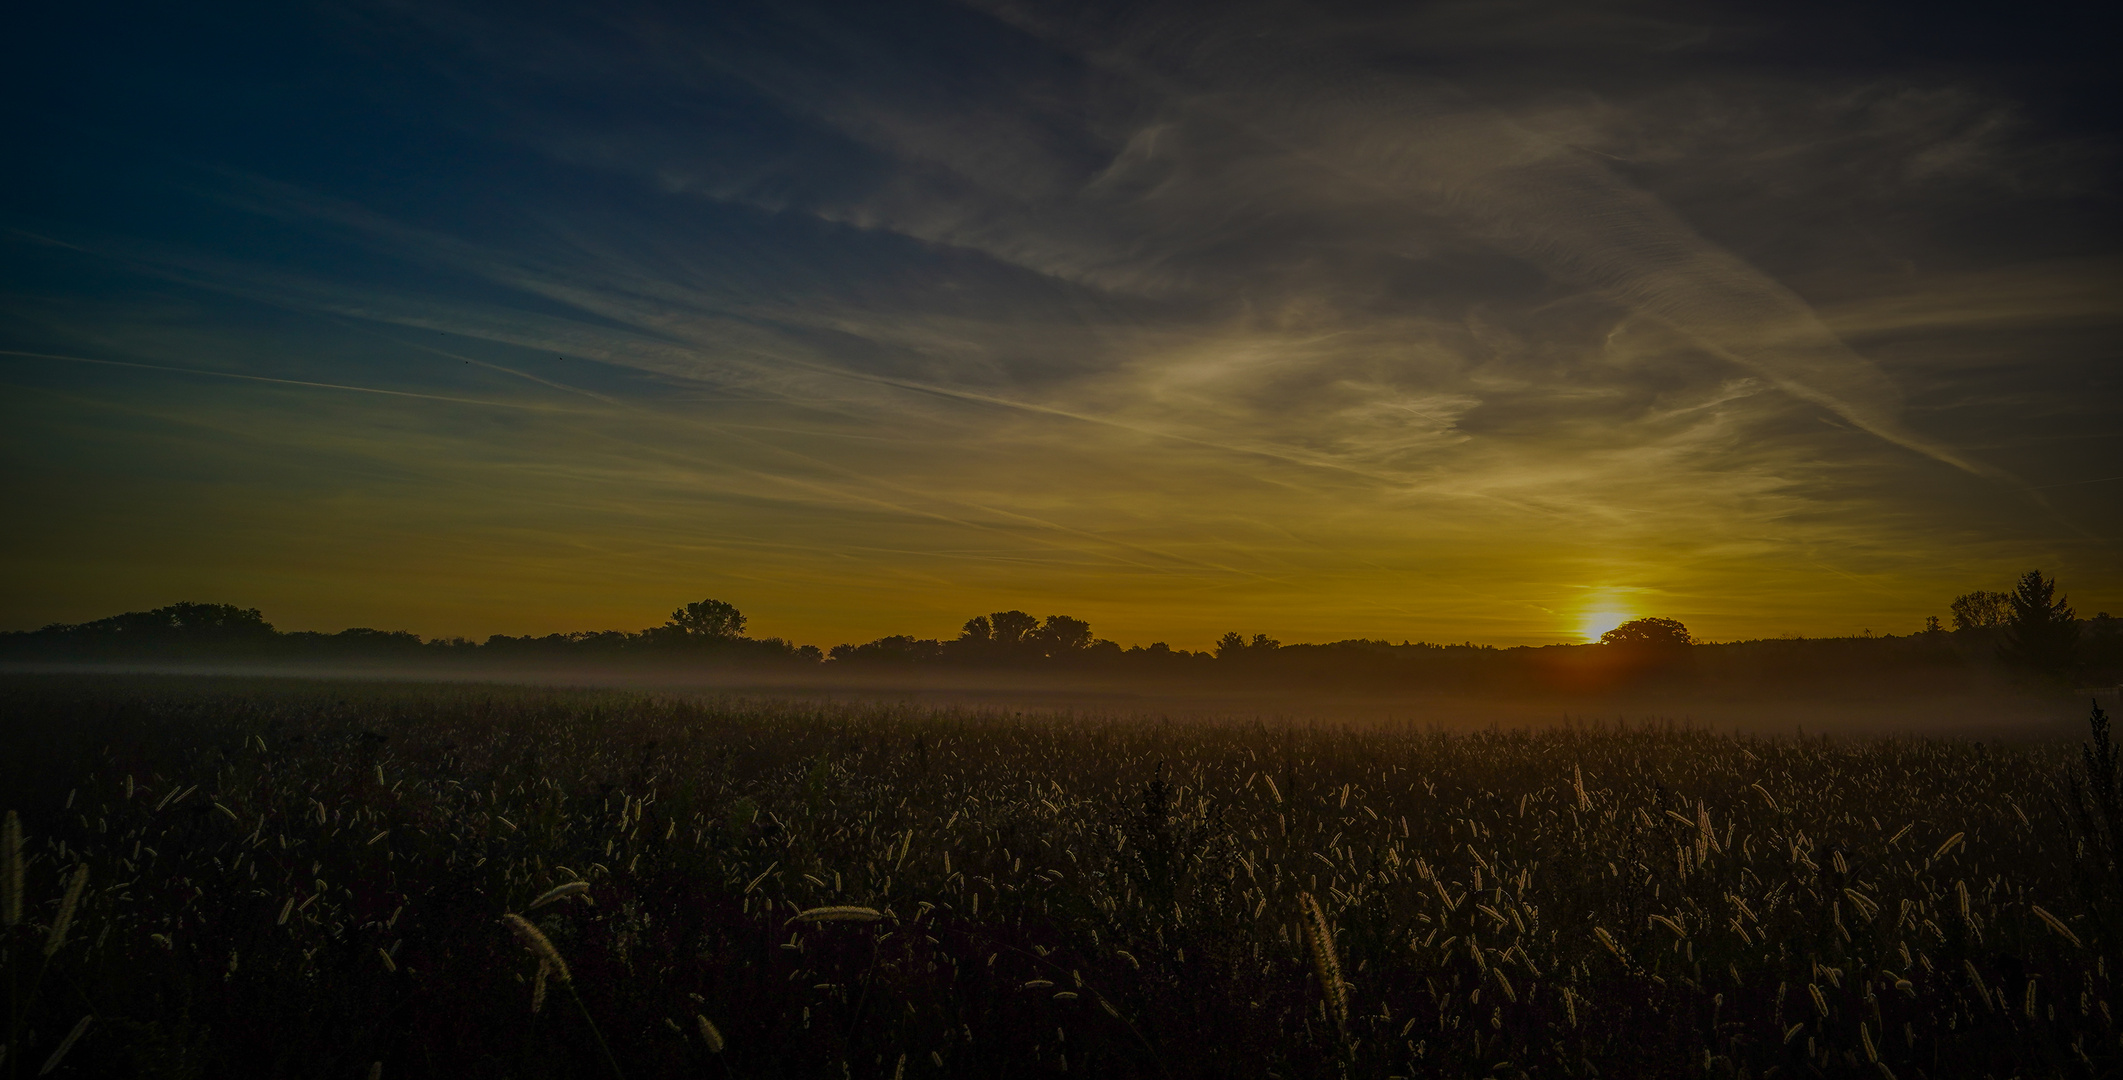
837 913
1319 937
709 1034
537 944
64 921
558 893
552 965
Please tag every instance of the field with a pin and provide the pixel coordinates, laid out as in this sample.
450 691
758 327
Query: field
261 878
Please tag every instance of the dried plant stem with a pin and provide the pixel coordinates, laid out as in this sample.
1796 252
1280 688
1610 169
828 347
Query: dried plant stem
11 870
869 977
599 1035
65 1045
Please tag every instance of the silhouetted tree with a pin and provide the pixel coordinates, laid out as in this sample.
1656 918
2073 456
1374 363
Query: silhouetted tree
1652 632
1008 634
195 622
365 639
1013 628
710 620
178 629
1980 610
1061 635
1234 646
2041 629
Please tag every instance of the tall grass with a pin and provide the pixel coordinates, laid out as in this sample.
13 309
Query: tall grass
868 891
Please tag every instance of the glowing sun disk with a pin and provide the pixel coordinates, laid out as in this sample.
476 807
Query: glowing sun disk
1596 623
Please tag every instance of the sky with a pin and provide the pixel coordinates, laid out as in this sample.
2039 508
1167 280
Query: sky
1494 322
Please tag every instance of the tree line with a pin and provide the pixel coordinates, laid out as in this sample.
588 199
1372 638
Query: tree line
2031 630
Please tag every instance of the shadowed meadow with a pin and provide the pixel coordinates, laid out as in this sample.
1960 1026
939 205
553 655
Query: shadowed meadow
290 878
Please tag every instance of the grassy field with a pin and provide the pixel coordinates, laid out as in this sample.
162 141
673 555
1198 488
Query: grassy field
261 878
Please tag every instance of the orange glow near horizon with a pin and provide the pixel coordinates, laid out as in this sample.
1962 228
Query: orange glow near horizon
922 327
1595 623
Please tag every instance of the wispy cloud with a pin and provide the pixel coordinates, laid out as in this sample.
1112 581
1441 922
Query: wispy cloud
1453 316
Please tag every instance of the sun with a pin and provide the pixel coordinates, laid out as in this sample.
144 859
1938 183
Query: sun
1596 623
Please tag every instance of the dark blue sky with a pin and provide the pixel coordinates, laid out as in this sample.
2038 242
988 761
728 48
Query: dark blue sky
1490 320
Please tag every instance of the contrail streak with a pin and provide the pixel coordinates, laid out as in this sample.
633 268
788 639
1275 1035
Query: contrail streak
268 379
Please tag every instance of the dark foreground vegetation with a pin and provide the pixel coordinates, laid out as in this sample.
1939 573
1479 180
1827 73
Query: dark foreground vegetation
310 880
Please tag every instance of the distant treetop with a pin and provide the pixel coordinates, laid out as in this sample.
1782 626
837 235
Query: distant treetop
710 619
188 620
1015 633
1657 632
1979 610
1234 646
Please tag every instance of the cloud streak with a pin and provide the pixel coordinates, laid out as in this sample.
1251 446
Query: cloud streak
1386 322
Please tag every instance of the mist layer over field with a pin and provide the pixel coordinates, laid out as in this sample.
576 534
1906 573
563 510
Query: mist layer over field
1857 706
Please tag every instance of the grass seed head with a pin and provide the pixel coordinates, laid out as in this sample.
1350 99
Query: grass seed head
2057 925
837 913
558 893
65 918
535 941
1320 938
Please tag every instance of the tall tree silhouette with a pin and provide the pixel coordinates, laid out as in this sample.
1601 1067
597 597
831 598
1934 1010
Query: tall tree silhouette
2042 628
708 620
